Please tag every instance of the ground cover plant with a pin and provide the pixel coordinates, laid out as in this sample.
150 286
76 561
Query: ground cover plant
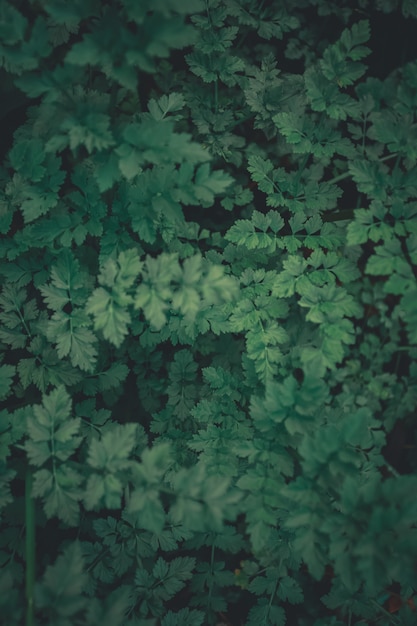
208 313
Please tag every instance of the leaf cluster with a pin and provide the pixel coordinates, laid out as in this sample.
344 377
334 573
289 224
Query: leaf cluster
208 278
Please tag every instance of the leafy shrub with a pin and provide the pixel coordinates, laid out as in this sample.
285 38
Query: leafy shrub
208 319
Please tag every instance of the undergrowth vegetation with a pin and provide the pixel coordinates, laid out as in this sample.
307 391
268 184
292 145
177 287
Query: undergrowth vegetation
208 313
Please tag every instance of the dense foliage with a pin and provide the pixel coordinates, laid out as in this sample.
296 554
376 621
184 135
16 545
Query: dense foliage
208 318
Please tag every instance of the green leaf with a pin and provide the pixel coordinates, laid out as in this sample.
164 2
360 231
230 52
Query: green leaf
147 506
264 612
209 184
340 61
261 170
385 260
73 339
52 432
60 593
410 316
370 178
217 287
325 95
112 610
184 617
27 158
262 347
172 576
211 68
109 316
156 142
107 170
253 234
398 132
91 130
110 457
66 278
6 375
203 501
12 25
289 590
111 452
166 104
291 125
36 199
105 380
60 492
155 293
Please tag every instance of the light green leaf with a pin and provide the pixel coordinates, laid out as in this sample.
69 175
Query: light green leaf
111 452
109 316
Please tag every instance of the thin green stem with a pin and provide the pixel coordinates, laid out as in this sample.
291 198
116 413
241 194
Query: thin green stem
244 35
210 590
339 216
407 256
397 362
271 599
86 421
216 95
392 618
23 322
208 13
251 115
365 118
300 171
97 560
396 164
243 119
336 179
347 174
260 7
30 549
392 470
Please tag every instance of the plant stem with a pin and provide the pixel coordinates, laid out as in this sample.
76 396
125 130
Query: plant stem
300 171
271 599
392 618
216 95
30 548
22 319
210 589
339 216
208 13
407 256
392 470
243 119
347 174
